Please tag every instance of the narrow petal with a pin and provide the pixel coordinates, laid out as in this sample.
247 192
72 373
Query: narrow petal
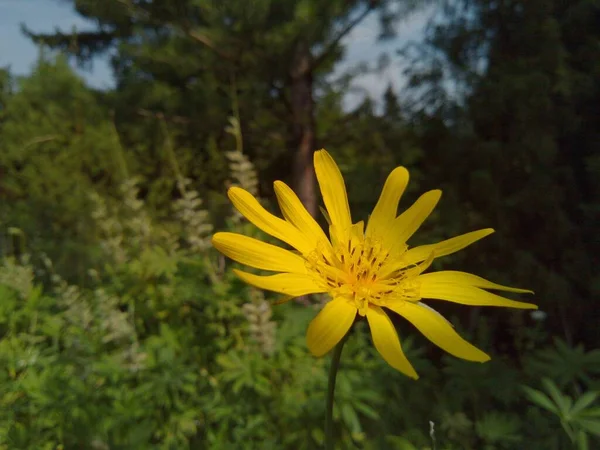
333 190
409 271
290 284
330 326
325 215
357 230
447 247
385 339
434 311
465 294
386 208
249 207
409 221
255 253
438 330
455 277
295 213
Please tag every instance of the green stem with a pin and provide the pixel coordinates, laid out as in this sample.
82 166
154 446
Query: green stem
333 369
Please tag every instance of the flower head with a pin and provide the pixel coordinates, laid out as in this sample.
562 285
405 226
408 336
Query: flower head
367 272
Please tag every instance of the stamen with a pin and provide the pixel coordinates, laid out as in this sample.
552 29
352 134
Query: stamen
353 269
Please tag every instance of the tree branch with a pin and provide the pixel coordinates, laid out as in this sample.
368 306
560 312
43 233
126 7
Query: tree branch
198 37
195 35
318 60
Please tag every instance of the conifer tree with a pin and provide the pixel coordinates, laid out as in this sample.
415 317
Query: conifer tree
505 119
183 60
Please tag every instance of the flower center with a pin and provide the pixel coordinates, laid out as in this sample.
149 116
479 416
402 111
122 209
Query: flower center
352 269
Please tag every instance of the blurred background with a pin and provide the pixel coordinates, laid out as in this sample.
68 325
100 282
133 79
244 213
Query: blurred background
123 122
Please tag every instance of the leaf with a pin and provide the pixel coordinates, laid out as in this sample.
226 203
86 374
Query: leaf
366 410
563 402
583 402
540 399
564 363
350 418
590 425
317 435
400 443
582 441
591 413
498 428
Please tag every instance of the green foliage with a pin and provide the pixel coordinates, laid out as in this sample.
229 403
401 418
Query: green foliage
499 430
567 364
161 346
187 62
578 418
500 109
57 142
120 327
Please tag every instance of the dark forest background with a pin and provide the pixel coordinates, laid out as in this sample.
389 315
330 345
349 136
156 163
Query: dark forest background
120 328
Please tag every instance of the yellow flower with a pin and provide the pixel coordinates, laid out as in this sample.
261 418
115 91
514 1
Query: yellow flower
367 272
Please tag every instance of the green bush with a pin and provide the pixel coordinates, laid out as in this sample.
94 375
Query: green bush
162 347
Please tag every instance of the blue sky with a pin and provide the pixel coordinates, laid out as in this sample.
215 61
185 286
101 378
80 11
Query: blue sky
18 53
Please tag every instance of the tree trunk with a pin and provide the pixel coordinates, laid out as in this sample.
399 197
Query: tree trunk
303 128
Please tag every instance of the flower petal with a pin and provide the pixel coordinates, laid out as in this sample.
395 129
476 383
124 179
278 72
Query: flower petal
456 277
386 341
255 253
409 271
330 326
295 213
464 294
409 221
443 248
438 330
291 284
333 190
386 209
249 207
357 230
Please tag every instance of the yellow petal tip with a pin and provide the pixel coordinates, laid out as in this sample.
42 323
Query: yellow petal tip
525 305
233 190
320 153
216 238
484 358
